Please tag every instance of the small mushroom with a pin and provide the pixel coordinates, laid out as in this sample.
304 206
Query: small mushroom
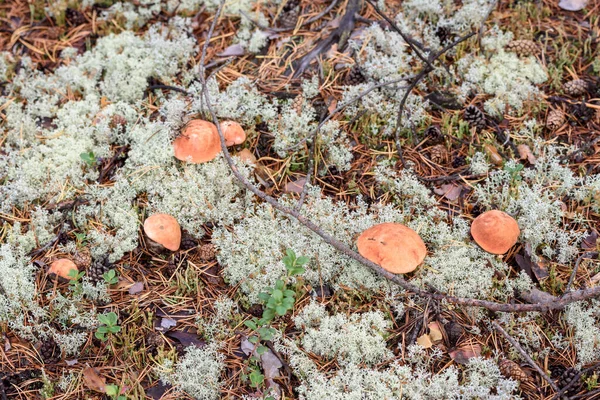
199 142
233 133
395 247
495 231
62 268
164 230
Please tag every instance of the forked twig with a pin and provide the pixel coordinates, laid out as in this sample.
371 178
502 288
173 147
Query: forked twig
588 254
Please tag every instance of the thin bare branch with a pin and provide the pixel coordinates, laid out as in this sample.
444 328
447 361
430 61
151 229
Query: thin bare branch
526 356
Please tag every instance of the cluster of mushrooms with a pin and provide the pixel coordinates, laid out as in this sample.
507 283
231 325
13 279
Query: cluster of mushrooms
395 247
198 143
400 250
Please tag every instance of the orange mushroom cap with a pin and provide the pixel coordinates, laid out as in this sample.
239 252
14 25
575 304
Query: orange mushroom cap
233 133
394 247
62 268
163 229
495 231
199 142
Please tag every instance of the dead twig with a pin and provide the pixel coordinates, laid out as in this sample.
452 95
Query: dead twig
588 254
523 354
339 35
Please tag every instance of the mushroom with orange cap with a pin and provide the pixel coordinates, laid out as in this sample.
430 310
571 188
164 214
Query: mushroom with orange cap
233 133
394 247
199 142
495 231
164 230
63 268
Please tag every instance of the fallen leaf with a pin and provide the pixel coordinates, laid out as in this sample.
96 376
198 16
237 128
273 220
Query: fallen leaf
271 364
157 392
332 106
590 242
295 186
424 341
435 333
166 324
136 288
235 50
186 338
595 279
536 270
572 5
450 191
525 153
464 353
93 380
493 154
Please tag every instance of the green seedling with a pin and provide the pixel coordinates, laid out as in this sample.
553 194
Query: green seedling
89 158
109 325
110 277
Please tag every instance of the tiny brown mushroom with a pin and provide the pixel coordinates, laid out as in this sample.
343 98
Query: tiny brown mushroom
394 247
233 133
62 268
199 142
495 231
163 229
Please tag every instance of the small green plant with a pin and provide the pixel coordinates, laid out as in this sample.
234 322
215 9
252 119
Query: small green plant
89 158
75 281
81 239
110 277
114 392
278 301
109 325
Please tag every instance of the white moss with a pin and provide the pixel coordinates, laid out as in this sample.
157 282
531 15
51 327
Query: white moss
198 373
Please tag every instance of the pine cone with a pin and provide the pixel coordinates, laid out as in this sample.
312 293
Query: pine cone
99 268
556 118
576 87
566 378
320 106
434 134
188 242
438 153
459 161
355 76
511 369
443 33
117 121
207 252
454 332
523 47
82 259
474 117
298 103
289 14
50 352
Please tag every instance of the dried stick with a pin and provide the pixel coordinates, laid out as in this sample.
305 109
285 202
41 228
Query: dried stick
347 251
523 354
572 277
409 40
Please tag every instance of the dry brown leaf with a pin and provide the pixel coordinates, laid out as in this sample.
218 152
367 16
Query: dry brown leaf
425 341
435 333
572 5
295 186
526 154
93 380
464 353
449 190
